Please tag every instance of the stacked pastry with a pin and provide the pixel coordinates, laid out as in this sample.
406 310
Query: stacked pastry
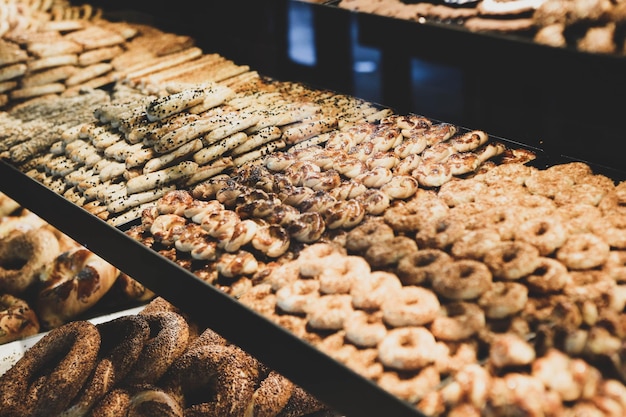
47 279
467 297
152 363
591 26
137 147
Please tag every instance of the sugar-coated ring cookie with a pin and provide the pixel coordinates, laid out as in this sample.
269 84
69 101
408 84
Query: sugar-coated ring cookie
512 260
583 251
370 291
463 279
411 306
367 233
547 234
329 311
295 296
460 321
421 266
364 329
503 299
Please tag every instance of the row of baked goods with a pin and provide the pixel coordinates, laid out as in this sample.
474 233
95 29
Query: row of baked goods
60 49
590 26
47 279
430 259
156 362
501 293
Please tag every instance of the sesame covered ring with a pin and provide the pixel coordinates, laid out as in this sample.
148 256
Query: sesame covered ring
123 340
46 378
169 335
223 376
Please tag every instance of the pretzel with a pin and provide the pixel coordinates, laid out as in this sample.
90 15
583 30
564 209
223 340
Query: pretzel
164 107
244 121
192 130
129 215
11 53
112 170
207 171
259 152
101 137
61 46
6 86
94 37
216 96
139 158
121 150
284 115
169 74
164 62
65 25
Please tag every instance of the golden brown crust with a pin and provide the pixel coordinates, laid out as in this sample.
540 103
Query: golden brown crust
17 319
123 339
169 338
32 250
51 373
71 284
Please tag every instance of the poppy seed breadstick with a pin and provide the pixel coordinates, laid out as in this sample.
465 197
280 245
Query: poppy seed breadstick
257 139
209 153
259 152
133 200
210 170
244 121
163 160
162 177
309 128
164 107
190 131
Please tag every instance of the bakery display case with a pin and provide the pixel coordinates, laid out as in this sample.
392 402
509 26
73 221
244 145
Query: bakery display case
532 131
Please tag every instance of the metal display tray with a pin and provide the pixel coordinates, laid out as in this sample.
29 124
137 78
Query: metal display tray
341 388
330 381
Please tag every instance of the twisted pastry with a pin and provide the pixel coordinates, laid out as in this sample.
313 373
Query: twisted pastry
71 284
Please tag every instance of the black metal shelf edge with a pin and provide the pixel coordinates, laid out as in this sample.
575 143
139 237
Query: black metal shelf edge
332 382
